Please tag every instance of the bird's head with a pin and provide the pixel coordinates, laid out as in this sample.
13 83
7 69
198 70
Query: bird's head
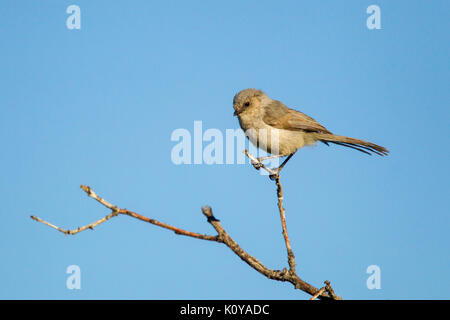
246 99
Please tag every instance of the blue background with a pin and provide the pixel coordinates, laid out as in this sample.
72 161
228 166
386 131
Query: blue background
97 106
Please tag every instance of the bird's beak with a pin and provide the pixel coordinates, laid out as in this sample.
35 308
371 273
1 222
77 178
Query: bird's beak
237 112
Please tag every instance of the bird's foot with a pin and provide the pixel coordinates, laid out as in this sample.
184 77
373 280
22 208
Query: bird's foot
257 165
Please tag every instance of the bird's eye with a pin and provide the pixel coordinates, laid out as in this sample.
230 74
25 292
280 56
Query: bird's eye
246 104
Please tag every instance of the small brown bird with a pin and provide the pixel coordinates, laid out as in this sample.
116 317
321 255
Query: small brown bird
281 131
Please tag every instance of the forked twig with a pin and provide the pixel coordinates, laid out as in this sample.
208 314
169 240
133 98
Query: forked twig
116 211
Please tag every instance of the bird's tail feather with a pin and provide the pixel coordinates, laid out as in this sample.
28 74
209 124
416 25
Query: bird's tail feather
357 144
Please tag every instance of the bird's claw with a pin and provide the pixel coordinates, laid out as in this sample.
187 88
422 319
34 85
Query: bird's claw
256 165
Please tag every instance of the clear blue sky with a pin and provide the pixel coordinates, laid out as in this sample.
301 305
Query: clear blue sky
97 106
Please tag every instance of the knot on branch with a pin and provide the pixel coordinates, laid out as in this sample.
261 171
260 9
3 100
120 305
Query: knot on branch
207 211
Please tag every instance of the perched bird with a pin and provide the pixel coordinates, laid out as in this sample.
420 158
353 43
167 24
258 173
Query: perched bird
281 131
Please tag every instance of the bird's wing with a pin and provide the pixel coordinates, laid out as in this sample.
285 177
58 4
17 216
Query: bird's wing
279 116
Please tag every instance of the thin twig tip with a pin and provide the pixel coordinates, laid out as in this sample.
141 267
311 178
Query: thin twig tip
85 188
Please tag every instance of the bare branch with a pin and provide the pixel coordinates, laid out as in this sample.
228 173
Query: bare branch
79 229
283 275
300 284
221 237
290 253
116 211
258 164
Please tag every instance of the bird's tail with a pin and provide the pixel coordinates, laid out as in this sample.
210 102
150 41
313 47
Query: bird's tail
357 144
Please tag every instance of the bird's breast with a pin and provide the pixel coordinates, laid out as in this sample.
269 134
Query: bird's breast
270 139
